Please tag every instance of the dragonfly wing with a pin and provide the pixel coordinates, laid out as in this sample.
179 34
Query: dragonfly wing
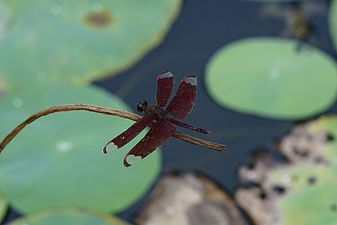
165 82
183 101
187 126
160 131
130 133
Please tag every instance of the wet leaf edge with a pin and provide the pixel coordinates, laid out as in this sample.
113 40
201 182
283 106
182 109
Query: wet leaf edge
40 214
3 207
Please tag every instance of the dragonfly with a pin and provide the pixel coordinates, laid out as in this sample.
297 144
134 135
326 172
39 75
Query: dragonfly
162 121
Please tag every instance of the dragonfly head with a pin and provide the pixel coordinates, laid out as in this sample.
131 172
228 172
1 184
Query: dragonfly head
141 106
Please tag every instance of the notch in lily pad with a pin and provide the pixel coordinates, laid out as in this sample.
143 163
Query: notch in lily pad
3 206
68 216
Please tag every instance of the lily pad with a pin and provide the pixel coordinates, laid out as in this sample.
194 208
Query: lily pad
78 41
314 189
3 207
303 194
58 160
327 125
68 217
302 189
333 22
270 77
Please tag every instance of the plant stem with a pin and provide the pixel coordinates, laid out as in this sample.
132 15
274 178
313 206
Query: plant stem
102 110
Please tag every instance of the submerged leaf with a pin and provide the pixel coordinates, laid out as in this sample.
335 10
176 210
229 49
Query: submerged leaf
189 199
58 160
269 77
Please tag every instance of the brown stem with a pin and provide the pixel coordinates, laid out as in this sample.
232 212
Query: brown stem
103 110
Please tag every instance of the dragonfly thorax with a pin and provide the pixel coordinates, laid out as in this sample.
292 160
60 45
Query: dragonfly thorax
159 111
144 107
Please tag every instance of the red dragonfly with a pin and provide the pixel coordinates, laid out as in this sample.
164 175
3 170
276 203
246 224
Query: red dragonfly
162 121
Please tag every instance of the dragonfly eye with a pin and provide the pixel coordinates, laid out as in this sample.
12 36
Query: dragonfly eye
140 107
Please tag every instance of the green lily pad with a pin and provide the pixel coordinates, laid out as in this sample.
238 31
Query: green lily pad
314 186
3 206
301 205
270 77
301 191
333 22
328 125
58 160
68 217
78 41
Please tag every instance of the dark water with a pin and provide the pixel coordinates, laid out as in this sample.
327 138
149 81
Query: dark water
200 30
